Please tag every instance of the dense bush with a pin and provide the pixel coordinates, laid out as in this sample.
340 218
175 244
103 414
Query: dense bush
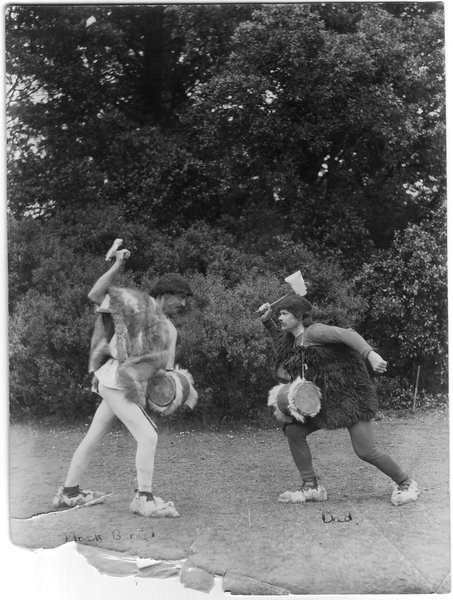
228 352
398 302
407 316
233 144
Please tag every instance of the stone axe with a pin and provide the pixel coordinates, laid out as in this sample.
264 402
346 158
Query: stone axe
297 284
111 254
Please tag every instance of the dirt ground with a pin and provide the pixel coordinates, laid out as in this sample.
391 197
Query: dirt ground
225 484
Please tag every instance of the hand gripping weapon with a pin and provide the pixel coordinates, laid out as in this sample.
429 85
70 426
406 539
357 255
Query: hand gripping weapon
297 285
111 254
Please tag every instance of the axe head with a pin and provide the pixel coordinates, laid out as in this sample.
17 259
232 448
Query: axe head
297 285
112 251
296 281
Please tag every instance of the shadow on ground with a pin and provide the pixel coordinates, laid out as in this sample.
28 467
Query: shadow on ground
225 486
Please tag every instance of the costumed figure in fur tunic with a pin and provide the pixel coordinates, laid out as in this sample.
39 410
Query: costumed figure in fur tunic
132 360
334 361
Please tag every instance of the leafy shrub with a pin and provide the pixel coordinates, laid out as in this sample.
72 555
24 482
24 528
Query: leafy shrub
406 291
325 280
397 393
394 393
227 351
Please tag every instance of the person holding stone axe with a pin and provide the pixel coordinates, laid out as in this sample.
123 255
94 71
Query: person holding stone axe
132 357
325 384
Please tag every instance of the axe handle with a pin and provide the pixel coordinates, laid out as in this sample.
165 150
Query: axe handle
112 250
258 313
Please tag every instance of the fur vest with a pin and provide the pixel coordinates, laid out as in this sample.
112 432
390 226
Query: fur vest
142 340
347 392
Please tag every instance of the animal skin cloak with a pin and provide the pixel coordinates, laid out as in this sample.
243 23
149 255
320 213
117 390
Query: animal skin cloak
142 340
347 392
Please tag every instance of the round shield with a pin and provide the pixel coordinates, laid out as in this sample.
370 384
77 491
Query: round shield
167 391
161 391
305 397
282 399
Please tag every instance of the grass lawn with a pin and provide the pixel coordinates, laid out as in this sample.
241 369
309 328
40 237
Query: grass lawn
225 484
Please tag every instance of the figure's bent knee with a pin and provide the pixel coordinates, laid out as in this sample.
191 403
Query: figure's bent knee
153 437
295 431
141 430
368 454
150 437
147 444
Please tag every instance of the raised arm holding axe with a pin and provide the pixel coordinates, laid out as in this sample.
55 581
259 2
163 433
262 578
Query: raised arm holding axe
117 258
298 287
325 385
128 354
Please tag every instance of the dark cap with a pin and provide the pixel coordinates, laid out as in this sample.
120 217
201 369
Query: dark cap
171 283
296 305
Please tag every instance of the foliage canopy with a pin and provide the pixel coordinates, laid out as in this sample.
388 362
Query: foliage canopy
234 143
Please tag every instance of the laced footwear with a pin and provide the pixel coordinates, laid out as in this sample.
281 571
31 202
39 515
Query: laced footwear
307 493
147 505
405 492
83 498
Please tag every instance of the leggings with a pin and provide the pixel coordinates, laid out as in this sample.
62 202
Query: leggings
362 438
115 405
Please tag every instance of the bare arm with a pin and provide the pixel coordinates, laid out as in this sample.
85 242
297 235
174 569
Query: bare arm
99 289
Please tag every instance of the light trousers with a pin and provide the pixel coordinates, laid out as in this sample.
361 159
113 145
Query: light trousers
115 405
